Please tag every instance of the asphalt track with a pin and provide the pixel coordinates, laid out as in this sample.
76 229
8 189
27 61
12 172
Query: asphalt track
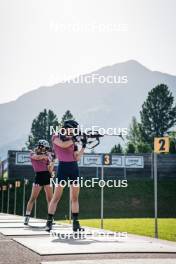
32 244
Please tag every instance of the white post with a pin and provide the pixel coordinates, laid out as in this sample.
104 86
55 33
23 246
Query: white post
70 209
102 197
152 165
2 202
156 194
35 209
124 166
15 195
96 172
24 194
8 199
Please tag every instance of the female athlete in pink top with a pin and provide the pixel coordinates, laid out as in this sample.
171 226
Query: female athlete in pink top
41 163
64 154
67 154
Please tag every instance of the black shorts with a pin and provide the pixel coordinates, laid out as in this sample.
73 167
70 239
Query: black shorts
68 171
42 178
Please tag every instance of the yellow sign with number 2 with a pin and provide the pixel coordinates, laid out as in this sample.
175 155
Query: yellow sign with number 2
161 145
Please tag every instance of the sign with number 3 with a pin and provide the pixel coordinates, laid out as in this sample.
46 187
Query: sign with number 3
107 159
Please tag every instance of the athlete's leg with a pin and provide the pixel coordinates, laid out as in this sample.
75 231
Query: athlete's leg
53 205
75 207
34 195
74 198
49 193
55 199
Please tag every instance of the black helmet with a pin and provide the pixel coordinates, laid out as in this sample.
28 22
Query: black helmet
70 124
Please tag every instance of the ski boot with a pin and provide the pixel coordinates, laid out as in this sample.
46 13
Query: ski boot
77 227
78 231
26 219
49 225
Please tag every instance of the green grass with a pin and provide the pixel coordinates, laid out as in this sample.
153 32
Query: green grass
139 226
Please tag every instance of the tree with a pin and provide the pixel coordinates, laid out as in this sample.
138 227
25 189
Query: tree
142 147
172 148
130 148
66 116
158 113
134 134
116 149
40 128
172 136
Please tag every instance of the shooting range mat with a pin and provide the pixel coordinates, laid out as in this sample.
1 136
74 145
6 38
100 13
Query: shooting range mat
34 229
115 261
8 217
20 225
35 238
50 246
3 221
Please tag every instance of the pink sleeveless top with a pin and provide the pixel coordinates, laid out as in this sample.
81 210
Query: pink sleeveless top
39 165
63 154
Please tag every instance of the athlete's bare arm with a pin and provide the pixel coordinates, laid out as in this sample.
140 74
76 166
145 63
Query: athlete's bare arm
78 154
51 167
39 157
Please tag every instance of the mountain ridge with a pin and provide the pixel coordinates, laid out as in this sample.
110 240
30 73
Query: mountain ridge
95 103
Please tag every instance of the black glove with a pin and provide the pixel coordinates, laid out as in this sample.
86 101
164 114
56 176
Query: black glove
84 141
75 139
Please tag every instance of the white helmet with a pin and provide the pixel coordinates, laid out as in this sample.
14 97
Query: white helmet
43 143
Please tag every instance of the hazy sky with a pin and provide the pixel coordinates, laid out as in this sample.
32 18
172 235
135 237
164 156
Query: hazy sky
44 41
